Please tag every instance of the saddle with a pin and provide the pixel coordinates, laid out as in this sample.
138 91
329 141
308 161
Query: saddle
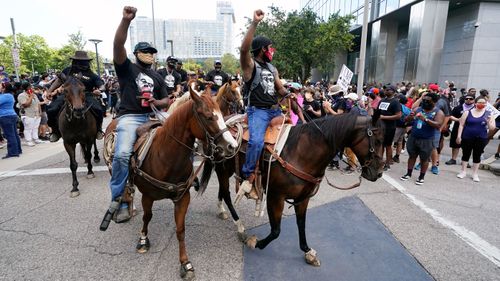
272 132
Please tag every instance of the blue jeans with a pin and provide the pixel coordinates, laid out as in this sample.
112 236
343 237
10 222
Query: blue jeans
258 120
124 146
9 128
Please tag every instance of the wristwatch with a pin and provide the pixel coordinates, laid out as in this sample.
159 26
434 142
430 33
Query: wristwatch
425 120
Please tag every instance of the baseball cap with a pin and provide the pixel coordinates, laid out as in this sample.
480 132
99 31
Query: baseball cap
144 46
352 96
374 91
391 87
433 87
260 42
217 62
172 58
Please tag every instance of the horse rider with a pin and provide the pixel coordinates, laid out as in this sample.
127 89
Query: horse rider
183 74
140 86
80 68
172 77
217 76
263 85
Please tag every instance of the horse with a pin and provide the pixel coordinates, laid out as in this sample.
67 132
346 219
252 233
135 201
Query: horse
77 125
167 169
296 176
229 98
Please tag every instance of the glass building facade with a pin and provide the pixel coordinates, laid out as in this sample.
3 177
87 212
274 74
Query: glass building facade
423 40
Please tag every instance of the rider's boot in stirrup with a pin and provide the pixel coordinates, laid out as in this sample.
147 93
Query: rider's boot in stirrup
247 188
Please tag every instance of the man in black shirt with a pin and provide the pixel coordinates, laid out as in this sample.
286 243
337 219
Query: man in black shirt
217 76
80 68
183 74
390 111
136 80
171 77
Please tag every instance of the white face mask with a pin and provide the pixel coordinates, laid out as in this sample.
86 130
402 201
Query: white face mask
145 58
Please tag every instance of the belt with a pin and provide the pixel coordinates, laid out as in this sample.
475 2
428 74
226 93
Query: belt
274 106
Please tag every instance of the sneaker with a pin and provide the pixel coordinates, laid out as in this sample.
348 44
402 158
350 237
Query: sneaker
395 158
475 178
461 175
402 151
54 137
387 168
30 143
419 181
417 167
38 141
435 170
405 177
451 162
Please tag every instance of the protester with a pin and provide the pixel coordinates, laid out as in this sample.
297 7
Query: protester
8 120
390 111
456 113
30 114
217 76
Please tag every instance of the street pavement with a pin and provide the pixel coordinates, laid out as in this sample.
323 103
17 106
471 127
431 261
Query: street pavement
449 225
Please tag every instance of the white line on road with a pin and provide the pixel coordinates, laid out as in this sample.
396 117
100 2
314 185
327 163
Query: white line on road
483 247
52 171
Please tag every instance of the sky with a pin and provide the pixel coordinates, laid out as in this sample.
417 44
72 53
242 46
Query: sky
98 19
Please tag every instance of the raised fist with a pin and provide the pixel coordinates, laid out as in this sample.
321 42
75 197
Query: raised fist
258 15
129 12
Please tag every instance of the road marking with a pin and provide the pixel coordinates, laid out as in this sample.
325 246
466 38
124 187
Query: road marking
52 171
491 252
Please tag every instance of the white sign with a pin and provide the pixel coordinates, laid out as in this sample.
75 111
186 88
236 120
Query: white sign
345 78
15 57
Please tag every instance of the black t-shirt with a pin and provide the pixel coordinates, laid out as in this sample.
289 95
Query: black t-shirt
171 78
132 79
89 79
389 107
340 104
43 107
264 95
218 77
315 106
183 74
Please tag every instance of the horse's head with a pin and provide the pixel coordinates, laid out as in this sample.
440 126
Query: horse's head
367 145
74 95
210 127
229 96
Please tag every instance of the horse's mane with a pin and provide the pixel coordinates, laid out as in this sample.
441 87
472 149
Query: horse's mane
177 117
334 129
222 91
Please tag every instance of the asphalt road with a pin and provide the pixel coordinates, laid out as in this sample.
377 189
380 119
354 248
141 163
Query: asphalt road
449 225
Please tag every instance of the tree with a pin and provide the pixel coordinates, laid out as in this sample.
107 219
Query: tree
34 53
208 65
77 40
191 65
303 40
230 64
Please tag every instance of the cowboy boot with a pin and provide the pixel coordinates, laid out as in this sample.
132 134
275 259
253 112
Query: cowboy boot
247 188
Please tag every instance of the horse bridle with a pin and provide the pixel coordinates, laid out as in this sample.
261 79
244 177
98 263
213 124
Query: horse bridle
371 144
233 104
69 115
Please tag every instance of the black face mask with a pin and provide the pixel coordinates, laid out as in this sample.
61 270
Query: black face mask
217 69
80 66
427 105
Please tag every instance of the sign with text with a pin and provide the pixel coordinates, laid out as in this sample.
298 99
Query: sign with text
345 78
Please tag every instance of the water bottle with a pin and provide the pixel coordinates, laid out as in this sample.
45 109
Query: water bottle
146 95
419 121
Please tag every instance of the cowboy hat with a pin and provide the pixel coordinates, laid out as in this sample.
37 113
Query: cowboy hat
80 55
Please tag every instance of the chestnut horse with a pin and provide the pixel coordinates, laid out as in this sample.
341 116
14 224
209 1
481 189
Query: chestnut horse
327 136
77 125
167 169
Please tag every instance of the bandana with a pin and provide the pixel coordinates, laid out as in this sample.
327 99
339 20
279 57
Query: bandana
145 58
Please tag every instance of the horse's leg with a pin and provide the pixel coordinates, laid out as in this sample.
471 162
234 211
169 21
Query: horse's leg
87 149
223 192
73 165
300 213
181 207
96 153
147 206
275 206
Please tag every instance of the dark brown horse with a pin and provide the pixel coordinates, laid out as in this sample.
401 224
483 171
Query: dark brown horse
309 148
169 167
229 98
77 125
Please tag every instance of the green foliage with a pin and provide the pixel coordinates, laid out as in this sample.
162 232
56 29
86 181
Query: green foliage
208 65
230 64
191 65
303 40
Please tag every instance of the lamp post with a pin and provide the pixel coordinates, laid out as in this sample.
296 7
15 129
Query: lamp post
171 47
97 41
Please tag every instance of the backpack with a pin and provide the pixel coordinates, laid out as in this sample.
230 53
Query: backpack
405 113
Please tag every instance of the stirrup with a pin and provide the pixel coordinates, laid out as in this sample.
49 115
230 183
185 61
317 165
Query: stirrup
245 187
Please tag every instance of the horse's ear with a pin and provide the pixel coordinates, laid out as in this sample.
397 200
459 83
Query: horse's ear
195 95
375 117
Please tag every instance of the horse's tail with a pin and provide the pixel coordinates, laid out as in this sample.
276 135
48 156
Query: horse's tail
205 176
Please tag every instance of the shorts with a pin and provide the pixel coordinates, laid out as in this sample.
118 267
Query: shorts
420 147
399 135
389 133
437 138
43 119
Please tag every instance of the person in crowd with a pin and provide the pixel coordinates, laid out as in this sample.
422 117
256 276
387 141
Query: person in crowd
30 114
457 112
390 112
8 120
401 127
264 86
134 79
473 135
311 106
43 128
217 76
80 69
171 77
291 108
373 100
183 74
426 119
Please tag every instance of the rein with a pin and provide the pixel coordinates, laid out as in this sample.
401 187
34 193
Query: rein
69 115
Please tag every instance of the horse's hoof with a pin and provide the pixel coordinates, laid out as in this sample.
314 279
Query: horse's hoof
222 216
251 242
143 245
242 236
74 194
311 258
91 176
187 271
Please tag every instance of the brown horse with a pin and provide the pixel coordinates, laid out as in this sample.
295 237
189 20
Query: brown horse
327 136
167 169
229 98
77 125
